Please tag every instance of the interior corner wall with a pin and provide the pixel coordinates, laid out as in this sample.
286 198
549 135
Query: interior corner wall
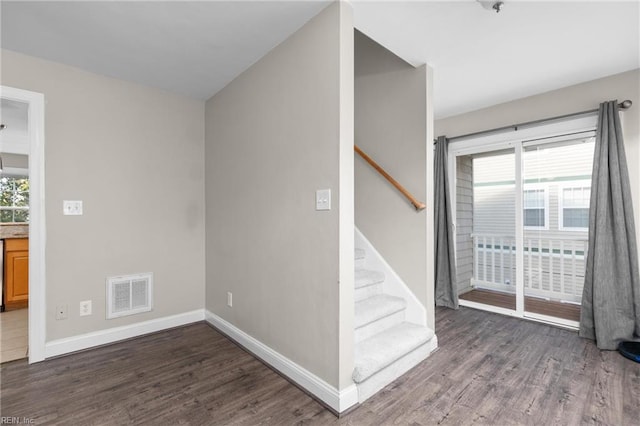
273 137
134 156
580 97
391 115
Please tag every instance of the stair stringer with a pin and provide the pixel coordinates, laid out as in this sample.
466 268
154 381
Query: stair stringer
393 284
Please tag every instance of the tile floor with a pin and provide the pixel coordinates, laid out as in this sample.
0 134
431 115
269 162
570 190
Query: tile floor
14 331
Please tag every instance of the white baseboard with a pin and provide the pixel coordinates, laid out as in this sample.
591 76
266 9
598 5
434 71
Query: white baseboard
337 400
110 335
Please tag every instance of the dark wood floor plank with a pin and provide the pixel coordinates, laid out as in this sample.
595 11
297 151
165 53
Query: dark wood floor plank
550 308
489 370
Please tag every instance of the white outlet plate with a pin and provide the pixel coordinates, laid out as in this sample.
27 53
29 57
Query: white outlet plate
323 199
85 308
229 299
72 207
62 312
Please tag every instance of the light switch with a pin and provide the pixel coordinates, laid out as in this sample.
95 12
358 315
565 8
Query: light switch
72 208
323 199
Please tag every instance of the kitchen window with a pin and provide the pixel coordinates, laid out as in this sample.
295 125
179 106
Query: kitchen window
14 199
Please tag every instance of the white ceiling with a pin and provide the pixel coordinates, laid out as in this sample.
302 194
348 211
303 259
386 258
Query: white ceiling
480 58
191 47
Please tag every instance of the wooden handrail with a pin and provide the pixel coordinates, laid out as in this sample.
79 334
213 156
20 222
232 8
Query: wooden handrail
417 204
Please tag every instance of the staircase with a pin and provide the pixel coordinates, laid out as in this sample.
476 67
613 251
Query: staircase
387 346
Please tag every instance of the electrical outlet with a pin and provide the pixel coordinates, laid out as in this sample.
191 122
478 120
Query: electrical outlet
72 208
62 312
85 308
229 299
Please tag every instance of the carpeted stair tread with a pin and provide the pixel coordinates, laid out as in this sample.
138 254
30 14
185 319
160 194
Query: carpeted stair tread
383 349
364 277
376 307
360 254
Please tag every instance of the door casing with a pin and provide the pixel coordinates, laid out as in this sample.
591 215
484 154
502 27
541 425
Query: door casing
37 233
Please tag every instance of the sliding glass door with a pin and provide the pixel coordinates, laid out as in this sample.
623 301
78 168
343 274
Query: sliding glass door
556 191
521 215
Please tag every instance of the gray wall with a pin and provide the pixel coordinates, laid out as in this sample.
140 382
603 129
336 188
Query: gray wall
391 127
134 155
570 99
274 136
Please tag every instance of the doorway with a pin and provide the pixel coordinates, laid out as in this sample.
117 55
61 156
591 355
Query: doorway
22 215
521 213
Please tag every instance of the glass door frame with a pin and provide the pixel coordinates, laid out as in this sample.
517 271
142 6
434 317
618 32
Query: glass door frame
517 140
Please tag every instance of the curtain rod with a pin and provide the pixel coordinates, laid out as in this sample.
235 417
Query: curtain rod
624 105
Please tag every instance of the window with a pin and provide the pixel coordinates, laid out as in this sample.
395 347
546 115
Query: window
535 208
574 207
14 199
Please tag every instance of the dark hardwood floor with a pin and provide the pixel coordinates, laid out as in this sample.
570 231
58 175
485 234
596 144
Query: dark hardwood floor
551 308
490 369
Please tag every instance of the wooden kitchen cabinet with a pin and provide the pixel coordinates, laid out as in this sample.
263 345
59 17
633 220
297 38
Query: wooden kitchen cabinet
16 273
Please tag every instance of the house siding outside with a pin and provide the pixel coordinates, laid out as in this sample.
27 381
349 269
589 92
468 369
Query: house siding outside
554 257
464 222
550 169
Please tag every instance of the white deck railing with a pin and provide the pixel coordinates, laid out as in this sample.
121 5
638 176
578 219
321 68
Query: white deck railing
553 267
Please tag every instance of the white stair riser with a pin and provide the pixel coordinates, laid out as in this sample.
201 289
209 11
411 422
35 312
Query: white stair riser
365 277
367 291
379 325
359 264
388 374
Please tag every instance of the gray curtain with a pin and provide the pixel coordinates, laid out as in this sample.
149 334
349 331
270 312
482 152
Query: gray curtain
445 262
611 297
